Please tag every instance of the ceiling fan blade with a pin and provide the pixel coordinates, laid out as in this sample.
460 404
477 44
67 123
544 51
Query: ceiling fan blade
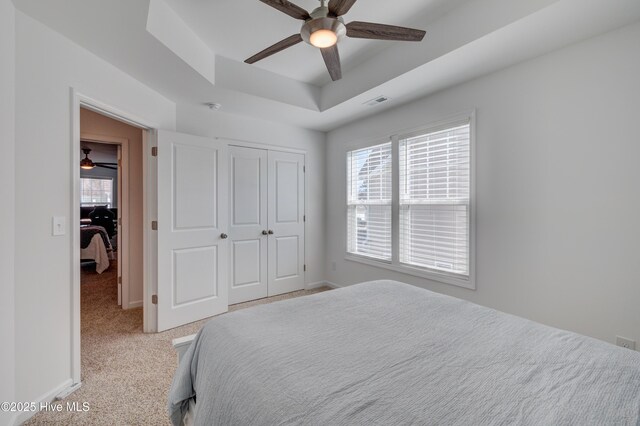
289 8
106 167
105 164
370 30
279 46
331 58
340 7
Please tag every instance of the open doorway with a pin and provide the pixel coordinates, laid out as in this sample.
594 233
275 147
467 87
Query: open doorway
93 121
110 186
102 207
111 198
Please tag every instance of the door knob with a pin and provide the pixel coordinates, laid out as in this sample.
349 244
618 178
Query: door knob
224 236
270 232
264 232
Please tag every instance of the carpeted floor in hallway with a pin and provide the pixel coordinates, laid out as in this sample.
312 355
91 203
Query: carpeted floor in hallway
126 374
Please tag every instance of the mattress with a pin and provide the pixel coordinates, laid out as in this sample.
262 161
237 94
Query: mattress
97 251
386 353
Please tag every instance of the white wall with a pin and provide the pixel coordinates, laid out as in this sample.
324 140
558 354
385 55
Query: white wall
47 66
557 186
7 218
199 120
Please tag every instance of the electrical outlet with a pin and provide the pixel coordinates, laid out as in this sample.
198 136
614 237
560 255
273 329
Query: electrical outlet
625 343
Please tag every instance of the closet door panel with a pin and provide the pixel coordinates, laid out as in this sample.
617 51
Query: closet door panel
286 222
248 220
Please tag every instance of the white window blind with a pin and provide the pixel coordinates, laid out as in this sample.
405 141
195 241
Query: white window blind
369 202
435 200
96 192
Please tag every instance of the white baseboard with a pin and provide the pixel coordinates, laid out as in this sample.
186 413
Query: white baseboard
47 397
317 284
322 284
136 304
12 419
68 391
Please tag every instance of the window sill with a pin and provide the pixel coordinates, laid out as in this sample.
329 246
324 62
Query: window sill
416 272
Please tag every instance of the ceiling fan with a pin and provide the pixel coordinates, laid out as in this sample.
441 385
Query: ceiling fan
87 164
324 28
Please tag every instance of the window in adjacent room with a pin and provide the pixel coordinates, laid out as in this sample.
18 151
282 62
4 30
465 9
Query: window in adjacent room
369 202
409 203
96 192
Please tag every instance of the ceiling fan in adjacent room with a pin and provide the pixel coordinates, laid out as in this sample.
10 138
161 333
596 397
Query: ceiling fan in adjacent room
324 28
87 164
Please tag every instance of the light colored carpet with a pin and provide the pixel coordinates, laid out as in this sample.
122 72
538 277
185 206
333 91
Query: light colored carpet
126 374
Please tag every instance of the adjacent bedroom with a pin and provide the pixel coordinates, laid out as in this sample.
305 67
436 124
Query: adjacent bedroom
319 212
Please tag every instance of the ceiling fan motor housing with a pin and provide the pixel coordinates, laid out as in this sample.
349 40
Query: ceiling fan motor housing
320 20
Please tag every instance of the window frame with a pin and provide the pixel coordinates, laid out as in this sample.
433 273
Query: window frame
394 264
350 204
110 205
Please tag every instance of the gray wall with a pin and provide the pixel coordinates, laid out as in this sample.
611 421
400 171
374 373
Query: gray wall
557 186
7 212
43 136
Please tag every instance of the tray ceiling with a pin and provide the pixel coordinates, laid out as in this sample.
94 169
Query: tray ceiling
192 51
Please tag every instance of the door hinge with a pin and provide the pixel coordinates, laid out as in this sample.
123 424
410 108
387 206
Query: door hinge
304 169
304 218
304 268
154 299
119 280
154 151
119 163
154 225
119 221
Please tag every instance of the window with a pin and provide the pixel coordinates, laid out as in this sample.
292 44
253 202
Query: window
434 200
409 204
369 202
96 192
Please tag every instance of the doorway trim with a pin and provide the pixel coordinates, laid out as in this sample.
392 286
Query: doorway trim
79 100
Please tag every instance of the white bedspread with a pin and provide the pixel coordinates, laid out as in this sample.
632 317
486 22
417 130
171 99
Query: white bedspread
386 353
98 252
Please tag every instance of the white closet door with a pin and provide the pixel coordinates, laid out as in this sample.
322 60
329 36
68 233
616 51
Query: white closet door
248 224
192 222
286 222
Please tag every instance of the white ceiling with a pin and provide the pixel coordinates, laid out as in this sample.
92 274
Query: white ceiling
192 51
237 29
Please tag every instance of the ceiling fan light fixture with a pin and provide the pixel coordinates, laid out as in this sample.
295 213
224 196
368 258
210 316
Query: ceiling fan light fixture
86 162
323 38
323 32
324 27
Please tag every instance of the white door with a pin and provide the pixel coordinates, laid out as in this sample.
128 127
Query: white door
192 222
247 224
286 222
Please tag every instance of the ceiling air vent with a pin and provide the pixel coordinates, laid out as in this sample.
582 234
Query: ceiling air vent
376 101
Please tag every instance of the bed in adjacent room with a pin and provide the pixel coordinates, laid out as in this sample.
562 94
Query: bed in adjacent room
95 245
387 353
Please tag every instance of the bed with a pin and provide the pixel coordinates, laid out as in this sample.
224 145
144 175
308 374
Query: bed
387 353
95 245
